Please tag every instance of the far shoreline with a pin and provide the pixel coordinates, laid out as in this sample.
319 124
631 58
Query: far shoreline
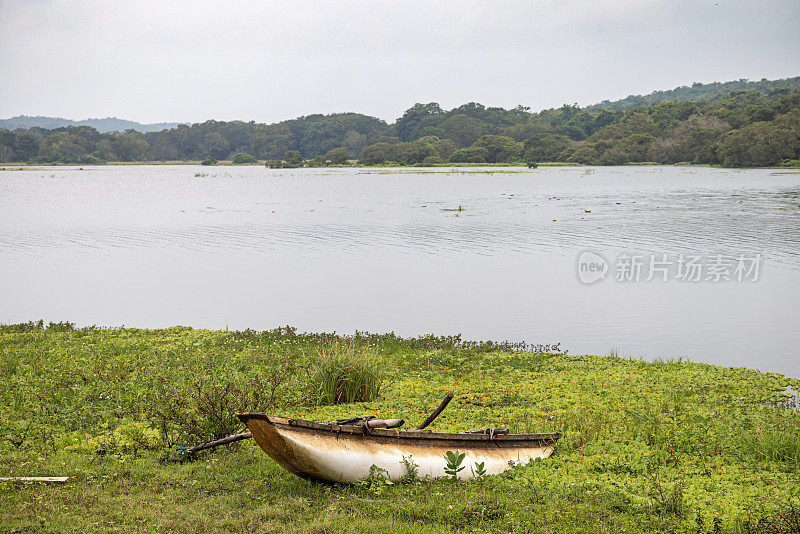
229 163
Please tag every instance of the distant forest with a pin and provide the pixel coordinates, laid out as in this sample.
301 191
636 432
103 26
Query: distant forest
734 124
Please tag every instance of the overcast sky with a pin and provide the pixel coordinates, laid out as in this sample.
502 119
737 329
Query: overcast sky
262 60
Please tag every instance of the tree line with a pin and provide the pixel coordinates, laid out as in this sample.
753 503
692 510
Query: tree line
737 128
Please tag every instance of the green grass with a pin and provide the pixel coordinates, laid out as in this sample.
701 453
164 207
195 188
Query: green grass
648 447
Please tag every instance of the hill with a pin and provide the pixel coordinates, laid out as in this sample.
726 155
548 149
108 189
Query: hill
700 92
108 124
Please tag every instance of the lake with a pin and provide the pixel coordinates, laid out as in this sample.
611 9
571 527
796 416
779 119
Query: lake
554 254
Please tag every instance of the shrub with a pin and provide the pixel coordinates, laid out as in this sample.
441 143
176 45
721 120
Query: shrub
337 156
430 161
293 158
91 159
243 158
375 154
317 161
207 411
209 161
473 154
39 326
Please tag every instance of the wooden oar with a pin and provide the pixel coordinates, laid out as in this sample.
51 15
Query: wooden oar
436 412
33 479
184 453
217 442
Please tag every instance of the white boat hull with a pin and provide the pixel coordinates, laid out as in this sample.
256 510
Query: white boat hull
346 454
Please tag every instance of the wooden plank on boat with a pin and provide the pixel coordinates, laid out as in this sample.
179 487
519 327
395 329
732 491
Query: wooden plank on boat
384 423
34 479
403 434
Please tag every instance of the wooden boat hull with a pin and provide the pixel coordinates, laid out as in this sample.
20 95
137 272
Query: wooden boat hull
345 454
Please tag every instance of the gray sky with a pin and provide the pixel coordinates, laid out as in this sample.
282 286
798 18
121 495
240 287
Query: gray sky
153 61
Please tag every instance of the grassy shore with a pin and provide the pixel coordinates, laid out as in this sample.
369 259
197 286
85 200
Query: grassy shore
648 446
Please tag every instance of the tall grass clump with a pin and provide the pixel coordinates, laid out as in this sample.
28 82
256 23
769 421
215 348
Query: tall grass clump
345 372
773 445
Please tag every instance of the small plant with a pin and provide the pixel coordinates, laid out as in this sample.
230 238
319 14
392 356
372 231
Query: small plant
479 471
376 481
411 475
665 500
454 460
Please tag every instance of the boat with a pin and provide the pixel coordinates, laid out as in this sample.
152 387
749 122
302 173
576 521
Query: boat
347 453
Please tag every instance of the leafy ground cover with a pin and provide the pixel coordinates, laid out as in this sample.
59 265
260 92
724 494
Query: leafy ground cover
648 446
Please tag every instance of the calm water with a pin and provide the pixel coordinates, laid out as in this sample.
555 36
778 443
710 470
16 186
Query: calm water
367 249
